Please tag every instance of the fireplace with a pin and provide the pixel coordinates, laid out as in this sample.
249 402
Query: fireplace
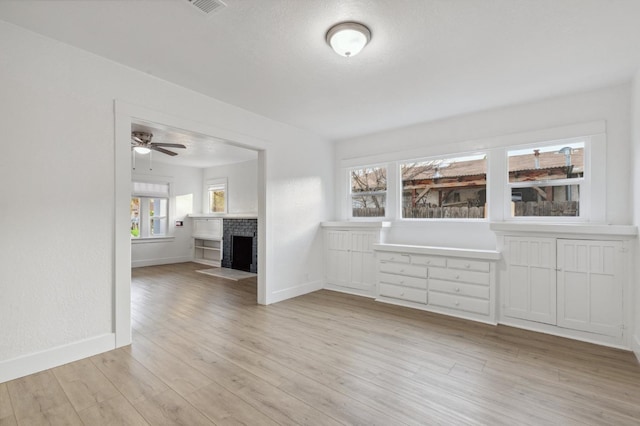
240 244
241 252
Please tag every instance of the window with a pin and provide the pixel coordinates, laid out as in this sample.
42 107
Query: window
217 196
149 209
547 179
445 188
368 191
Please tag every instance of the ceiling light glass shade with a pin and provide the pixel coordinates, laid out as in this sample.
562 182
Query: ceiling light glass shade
348 38
141 149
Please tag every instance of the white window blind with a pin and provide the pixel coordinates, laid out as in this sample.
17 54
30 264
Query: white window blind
148 189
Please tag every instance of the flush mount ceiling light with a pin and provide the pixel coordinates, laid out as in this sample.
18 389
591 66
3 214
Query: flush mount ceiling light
348 38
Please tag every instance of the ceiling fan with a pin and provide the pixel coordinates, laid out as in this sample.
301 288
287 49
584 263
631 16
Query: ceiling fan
141 143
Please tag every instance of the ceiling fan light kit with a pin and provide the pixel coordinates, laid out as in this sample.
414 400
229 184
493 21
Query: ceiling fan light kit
142 150
141 144
348 38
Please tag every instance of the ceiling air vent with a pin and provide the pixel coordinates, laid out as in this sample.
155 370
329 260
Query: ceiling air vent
207 7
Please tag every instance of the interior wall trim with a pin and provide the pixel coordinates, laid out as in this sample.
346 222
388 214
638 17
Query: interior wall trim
295 291
160 261
59 355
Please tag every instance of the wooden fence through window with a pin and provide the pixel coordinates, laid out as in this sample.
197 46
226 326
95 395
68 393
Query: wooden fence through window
520 208
545 208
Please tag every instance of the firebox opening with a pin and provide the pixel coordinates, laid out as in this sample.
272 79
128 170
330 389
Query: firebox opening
241 253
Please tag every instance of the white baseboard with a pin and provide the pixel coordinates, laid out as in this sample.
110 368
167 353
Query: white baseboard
54 357
354 291
162 261
635 345
597 339
295 291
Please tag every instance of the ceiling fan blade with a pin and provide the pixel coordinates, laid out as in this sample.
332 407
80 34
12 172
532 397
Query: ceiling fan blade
169 145
162 150
137 140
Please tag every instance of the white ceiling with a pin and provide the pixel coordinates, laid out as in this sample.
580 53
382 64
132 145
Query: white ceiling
201 151
428 59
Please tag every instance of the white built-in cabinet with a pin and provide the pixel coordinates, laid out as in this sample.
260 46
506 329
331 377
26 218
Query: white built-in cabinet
572 284
349 257
530 279
590 285
569 280
457 282
207 240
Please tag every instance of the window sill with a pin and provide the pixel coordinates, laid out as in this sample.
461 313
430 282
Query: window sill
152 240
566 229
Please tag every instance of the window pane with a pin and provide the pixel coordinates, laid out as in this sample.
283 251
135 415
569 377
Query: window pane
217 201
158 226
445 188
564 161
368 192
369 179
157 207
135 217
368 205
158 216
560 200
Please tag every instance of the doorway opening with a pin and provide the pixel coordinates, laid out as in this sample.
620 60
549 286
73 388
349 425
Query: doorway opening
131 118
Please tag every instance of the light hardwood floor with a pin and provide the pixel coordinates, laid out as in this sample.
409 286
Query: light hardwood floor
205 353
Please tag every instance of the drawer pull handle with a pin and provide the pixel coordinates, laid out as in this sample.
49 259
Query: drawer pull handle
457 276
467 266
401 281
402 294
457 289
457 303
428 262
401 270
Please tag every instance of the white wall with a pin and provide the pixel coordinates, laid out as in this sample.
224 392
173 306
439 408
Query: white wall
242 186
635 194
186 198
471 132
58 167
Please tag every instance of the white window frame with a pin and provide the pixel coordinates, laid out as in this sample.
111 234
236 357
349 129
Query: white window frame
145 190
351 194
593 146
218 183
400 191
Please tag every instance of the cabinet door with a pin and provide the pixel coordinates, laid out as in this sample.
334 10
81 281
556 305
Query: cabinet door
211 227
530 284
589 286
337 257
363 268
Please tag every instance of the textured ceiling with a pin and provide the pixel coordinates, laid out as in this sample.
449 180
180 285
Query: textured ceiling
428 59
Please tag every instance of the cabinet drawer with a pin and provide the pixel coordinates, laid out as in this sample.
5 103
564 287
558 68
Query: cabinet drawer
472 290
428 260
403 280
459 276
469 265
459 302
405 293
403 269
393 257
